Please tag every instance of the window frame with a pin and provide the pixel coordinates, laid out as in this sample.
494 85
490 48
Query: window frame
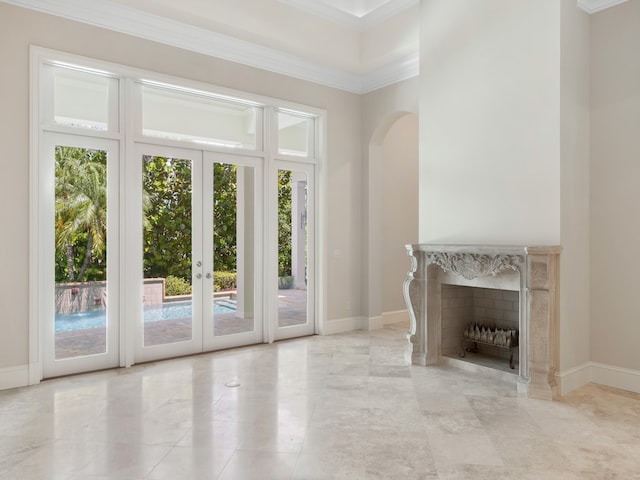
125 126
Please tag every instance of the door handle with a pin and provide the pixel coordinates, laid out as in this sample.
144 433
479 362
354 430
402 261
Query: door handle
198 276
208 275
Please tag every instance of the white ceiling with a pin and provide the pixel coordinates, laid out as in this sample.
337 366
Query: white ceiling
357 8
356 14
353 45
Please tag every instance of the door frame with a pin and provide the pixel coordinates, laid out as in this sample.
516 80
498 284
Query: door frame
137 352
50 366
310 327
211 341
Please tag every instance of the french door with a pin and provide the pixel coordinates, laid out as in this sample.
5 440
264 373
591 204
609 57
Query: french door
292 217
196 270
79 237
176 263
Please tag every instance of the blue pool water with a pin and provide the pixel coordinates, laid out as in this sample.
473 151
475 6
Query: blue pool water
66 322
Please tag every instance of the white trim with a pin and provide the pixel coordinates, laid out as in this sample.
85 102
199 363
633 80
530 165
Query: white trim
35 340
352 21
385 12
573 378
322 239
395 72
342 325
397 316
602 374
14 377
617 377
373 323
593 6
105 14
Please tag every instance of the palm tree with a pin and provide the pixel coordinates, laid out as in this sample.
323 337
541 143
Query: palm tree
81 205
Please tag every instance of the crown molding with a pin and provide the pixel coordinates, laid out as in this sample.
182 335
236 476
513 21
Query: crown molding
348 20
593 6
106 14
385 12
395 72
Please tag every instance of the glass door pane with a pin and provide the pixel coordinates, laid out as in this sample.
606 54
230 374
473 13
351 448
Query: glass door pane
167 250
233 246
79 204
81 251
232 210
294 252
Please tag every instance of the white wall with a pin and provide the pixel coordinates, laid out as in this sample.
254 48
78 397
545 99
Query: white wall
489 122
504 129
380 110
574 143
399 208
615 186
21 28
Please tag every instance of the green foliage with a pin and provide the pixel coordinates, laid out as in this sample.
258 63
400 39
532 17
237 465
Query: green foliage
81 219
167 233
284 223
224 216
80 214
224 281
176 286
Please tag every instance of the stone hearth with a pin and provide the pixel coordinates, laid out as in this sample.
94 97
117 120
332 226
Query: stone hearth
531 271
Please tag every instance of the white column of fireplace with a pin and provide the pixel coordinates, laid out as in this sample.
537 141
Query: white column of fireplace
533 271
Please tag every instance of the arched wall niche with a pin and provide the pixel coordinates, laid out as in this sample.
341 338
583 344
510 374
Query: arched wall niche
392 216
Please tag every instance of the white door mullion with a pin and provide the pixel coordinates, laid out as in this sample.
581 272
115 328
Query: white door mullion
199 253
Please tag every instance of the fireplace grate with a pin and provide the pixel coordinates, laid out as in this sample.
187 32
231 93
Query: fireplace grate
480 334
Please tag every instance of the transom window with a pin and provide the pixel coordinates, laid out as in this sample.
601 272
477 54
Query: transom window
199 118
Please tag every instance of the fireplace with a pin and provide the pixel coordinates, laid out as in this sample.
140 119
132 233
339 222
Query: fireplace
451 288
481 325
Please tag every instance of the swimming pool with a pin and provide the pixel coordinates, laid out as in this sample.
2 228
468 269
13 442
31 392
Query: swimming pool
67 322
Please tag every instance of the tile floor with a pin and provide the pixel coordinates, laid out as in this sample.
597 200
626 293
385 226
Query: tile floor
337 407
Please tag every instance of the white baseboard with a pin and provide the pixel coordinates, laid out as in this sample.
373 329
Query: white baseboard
573 378
372 323
13 377
342 325
399 316
592 372
616 377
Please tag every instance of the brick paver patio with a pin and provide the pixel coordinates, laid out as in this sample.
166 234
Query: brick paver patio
292 307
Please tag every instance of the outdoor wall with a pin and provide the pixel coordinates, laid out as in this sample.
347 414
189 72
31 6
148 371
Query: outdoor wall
489 122
380 110
574 214
22 28
615 192
399 209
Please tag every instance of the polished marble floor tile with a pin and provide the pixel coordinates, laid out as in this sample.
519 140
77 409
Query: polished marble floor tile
346 406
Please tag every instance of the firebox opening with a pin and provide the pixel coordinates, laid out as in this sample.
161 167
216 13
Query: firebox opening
496 315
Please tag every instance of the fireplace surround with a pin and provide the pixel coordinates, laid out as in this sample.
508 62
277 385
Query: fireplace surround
531 271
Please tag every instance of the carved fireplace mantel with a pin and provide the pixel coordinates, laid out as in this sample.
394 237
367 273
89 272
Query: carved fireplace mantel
533 271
